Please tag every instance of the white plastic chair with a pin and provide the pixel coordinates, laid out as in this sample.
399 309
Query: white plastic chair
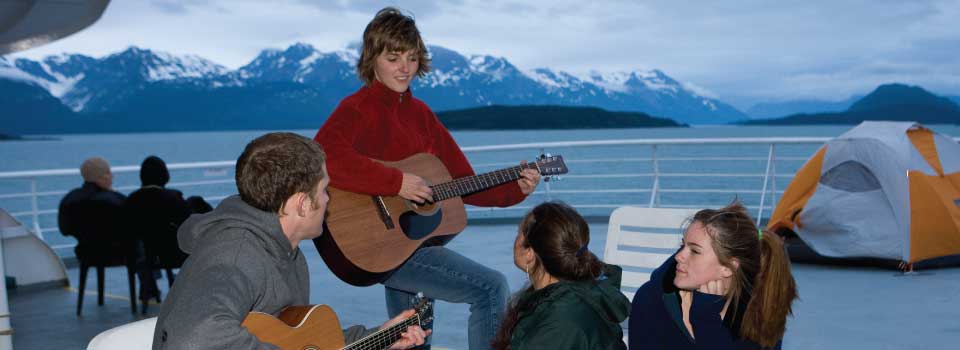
640 239
131 336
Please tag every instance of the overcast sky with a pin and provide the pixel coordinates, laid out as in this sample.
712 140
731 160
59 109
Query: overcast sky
741 52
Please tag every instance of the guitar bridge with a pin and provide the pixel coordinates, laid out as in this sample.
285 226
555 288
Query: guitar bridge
383 212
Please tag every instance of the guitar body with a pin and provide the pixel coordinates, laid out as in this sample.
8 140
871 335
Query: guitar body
313 327
367 237
316 327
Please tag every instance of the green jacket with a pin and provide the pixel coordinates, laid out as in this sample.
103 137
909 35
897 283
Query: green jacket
573 315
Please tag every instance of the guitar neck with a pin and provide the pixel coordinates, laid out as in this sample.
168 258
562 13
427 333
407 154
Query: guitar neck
383 338
471 184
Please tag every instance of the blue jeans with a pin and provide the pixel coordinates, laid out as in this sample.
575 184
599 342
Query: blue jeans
443 274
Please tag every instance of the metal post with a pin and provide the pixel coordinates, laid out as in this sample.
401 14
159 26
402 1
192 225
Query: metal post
654 191
35 206
773 183
766 176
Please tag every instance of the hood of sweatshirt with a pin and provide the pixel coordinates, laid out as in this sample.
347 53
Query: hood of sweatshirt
603 296
233 215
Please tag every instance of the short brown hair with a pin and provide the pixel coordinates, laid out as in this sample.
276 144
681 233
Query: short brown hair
390 30
277 165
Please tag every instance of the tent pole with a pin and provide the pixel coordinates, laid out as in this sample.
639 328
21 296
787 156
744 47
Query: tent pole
766 177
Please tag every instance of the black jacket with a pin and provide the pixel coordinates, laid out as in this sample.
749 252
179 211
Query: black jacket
95 217
154 214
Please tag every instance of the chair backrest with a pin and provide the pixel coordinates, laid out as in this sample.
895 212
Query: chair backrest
640 239
131 336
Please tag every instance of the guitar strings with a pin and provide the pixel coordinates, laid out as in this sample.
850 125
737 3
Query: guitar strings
472 184
384 338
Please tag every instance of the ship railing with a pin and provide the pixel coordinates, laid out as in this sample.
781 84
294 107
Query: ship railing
674 172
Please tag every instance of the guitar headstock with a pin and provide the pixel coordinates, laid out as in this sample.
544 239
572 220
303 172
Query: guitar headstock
423 308
551 165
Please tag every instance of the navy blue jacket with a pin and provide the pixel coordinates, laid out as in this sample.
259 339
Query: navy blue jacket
656 321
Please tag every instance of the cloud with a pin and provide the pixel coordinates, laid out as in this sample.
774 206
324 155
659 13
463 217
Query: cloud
419 9
182 7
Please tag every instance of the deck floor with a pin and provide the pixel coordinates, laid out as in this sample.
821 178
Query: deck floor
840 307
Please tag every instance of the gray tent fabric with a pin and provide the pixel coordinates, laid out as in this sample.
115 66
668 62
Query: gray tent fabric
850 176
861 205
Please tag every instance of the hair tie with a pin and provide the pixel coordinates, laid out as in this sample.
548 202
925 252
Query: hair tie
581 250
759 233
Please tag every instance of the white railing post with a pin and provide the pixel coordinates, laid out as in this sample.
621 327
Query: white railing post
773 184
654 191
766 176
35 207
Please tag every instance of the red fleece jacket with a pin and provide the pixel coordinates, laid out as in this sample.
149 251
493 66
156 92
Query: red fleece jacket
379 123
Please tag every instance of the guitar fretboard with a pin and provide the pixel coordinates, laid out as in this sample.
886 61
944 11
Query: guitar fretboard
470 184
384 338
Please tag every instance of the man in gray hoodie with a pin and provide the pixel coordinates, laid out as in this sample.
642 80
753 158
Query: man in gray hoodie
244 255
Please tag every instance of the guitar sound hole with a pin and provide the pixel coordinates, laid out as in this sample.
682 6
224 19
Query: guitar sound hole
416 226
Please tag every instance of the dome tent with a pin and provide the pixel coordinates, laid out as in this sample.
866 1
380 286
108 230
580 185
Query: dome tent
882 190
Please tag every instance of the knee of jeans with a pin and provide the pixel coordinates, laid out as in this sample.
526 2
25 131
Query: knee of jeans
496 288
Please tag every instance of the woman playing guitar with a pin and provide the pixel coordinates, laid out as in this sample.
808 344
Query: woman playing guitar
384 121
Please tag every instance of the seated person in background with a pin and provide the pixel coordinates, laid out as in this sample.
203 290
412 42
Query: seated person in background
198 205
154 213
729 287
573 300
92 213
244 255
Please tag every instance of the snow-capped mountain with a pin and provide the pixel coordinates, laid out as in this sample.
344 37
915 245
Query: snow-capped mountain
86 84
303 83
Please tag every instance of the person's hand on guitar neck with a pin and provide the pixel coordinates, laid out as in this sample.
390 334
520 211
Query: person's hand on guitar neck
413 336
415 188
528 180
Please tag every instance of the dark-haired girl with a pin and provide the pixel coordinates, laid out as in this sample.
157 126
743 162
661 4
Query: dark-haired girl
729 287
573 300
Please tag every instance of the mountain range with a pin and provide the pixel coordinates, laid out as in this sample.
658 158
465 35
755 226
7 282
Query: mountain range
898 102
297 87
547 117
767 110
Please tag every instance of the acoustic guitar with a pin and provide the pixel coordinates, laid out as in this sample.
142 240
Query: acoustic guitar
316 327
366 237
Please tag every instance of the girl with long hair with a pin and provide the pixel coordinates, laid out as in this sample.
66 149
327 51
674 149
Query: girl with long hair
728 287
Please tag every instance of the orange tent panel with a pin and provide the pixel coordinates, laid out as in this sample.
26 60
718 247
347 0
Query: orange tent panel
922 140
934 215
804 183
